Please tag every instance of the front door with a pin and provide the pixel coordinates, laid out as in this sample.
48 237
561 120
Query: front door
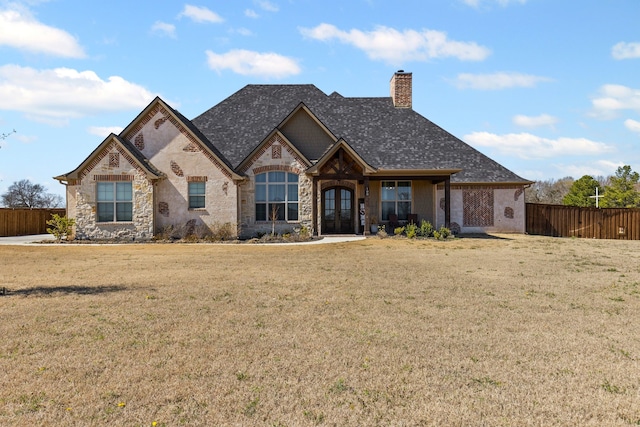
337 210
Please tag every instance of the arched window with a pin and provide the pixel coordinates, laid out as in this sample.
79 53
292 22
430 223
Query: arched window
277 196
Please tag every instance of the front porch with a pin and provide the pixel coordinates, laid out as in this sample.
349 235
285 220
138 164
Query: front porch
348 196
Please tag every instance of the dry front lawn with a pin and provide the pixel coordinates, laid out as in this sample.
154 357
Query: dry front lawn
510 331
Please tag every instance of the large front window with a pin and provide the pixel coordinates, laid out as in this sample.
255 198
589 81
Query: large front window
115 201
277 196
396 199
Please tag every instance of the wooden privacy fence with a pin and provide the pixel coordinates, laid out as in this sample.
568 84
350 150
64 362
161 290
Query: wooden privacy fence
593 223
24 222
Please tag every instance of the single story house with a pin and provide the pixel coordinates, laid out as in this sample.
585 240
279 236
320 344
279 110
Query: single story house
292 156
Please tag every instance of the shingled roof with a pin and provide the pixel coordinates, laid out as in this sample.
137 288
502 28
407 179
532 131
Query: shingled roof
386 137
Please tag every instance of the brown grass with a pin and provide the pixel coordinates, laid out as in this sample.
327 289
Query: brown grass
472 332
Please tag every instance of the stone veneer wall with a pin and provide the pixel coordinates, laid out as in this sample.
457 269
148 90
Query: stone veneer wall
506 213
105 168
275 155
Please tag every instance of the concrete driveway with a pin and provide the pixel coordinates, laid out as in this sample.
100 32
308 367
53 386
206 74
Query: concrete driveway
25 240
37 238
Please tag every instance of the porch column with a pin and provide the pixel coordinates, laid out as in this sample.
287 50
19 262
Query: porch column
447 202
367 219
314 208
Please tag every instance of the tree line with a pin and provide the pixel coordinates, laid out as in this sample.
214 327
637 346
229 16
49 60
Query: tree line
620 190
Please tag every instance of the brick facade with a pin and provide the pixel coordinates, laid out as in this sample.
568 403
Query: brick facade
401 89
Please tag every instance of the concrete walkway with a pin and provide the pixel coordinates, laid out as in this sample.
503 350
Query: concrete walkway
36 239
25 240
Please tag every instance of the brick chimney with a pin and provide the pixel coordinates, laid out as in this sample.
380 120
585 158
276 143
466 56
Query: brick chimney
401 89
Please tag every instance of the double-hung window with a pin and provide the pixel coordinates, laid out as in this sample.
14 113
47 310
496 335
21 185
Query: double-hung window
115 201
396 199
196 195
277 196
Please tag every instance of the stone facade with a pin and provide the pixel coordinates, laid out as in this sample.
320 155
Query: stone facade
275 155
81 198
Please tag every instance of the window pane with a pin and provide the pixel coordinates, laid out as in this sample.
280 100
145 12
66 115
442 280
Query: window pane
262 177
196 202
292 177
277 210
276 192
404 208
105 191
261 193
388 190
123 191
196 195
197 188
388 208
292 212
404 190
276 177
105 212
292 192
124 211
261 211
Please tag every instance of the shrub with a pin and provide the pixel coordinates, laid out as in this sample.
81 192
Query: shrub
221 232
398 231
411 230
426 229
304 233
444 232
61 226
436 235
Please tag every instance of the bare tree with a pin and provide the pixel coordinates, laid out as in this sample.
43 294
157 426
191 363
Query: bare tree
6 135
549 192
25 194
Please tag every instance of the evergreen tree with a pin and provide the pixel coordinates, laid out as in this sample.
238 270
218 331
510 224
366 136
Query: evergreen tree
621 191
581 192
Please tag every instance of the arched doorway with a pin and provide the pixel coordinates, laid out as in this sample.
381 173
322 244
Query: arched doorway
337 210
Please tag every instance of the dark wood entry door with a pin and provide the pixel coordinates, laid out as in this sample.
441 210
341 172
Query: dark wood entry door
337 210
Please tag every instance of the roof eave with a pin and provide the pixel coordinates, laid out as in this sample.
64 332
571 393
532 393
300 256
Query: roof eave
416 172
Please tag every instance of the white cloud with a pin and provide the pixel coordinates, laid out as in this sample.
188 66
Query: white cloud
200 14
244 32
267 5
476 3
534 121
395 47
528 146
56 95
497 81
104 131
249 63
250 13
632 125
163 28
595 169
18 29
615 98
26 139
624 50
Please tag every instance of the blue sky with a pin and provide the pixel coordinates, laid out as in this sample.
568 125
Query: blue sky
548 88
